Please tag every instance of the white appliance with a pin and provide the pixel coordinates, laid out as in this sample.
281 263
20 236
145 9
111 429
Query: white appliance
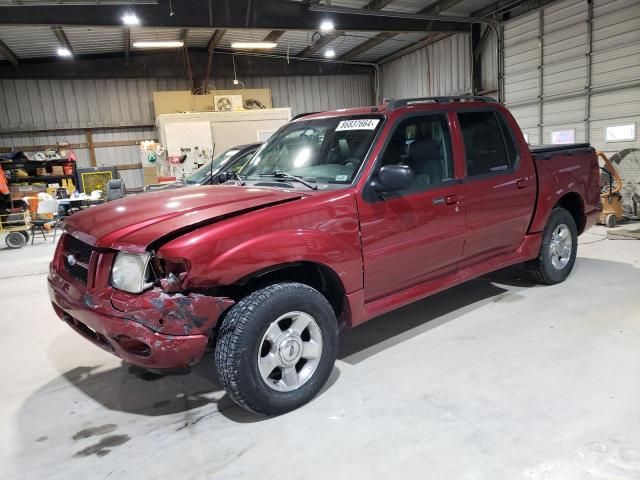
225 103
190 139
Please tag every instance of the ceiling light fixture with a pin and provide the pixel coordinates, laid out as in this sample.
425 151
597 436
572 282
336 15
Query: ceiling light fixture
130 18
330 53
64 52
327 26
159 44
254 45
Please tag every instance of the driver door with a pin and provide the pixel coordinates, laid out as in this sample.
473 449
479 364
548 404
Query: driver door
417 235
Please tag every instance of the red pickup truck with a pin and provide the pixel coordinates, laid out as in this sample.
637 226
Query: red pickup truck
338 218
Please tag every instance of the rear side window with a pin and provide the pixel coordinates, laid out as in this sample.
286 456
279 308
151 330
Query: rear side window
488 146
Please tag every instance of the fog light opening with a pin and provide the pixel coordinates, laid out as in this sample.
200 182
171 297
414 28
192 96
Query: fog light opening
133 346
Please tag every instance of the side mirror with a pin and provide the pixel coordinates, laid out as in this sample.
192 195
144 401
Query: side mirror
394 178
222 177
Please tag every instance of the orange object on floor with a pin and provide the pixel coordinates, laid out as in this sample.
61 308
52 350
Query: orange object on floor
33 204
4 186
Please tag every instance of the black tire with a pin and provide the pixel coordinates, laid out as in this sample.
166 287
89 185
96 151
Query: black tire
25 234
240 338
15 240
542 269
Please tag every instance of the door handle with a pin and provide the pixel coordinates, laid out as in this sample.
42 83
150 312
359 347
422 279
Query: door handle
521 182
451 199
446 200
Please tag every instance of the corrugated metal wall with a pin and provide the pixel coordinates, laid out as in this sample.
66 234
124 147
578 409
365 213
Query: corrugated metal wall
441 68
38 104
68 104
575 65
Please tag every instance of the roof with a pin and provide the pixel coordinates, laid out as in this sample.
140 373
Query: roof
29 42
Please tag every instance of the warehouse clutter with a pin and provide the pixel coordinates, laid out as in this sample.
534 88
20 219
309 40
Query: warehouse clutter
38 190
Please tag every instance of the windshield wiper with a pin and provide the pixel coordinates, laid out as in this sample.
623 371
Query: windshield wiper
236 176
288 176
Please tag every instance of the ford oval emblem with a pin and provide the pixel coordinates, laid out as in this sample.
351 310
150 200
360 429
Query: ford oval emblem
71 260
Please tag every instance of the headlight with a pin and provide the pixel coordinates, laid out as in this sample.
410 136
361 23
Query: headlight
129 272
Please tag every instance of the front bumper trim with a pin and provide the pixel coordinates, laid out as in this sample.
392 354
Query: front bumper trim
165 351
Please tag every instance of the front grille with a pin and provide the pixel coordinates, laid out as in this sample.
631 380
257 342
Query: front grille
78 248
82 256
77 271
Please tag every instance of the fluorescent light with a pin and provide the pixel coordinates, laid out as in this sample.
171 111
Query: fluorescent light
159 44
130 18
254 45
327 26
330 53
64 52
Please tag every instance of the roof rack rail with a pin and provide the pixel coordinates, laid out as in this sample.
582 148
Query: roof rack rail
394 104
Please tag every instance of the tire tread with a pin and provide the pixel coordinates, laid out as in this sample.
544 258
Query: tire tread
232 332
536 268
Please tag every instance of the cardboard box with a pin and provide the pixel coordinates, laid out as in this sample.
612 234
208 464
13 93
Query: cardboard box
57 170
21 191
149 176
41 171
183 101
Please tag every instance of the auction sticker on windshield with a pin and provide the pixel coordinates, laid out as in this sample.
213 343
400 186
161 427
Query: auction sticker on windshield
359 124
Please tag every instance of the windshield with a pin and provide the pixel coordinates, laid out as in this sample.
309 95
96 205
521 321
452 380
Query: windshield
327 150
198 177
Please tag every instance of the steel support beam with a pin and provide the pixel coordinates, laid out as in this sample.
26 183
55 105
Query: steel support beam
540 75
171 64
367 45
327 38
7 52
62 38
214 41
476 59
434 37
433 9
506 9
127 41
319 44
263 14
274 35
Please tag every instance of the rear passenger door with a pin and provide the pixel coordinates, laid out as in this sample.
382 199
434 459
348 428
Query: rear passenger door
500 187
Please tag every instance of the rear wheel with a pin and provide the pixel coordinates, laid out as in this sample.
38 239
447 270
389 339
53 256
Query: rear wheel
276 348
15 240
558 250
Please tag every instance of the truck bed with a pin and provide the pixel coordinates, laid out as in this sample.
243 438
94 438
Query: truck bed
547 149
564 169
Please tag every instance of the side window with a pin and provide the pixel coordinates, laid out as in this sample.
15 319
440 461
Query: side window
488 146
242 161
424 144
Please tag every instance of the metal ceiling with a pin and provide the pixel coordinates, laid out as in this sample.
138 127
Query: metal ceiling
31 41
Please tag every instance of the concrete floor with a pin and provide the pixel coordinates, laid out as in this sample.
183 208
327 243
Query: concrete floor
494 379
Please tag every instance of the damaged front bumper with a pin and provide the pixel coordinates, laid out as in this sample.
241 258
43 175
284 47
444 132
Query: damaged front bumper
154 329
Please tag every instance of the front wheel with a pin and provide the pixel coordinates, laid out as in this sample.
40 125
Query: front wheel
558 250
276 348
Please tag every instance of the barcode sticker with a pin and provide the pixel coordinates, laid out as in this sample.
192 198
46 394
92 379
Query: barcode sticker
359 124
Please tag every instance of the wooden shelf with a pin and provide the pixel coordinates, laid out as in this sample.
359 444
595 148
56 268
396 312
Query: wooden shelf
37 178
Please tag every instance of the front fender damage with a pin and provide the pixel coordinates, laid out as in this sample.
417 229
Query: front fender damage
172 313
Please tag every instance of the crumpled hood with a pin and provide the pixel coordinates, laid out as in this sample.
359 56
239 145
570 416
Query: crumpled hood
137 221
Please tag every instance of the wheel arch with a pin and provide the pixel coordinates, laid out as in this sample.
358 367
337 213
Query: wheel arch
316 275
574 204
